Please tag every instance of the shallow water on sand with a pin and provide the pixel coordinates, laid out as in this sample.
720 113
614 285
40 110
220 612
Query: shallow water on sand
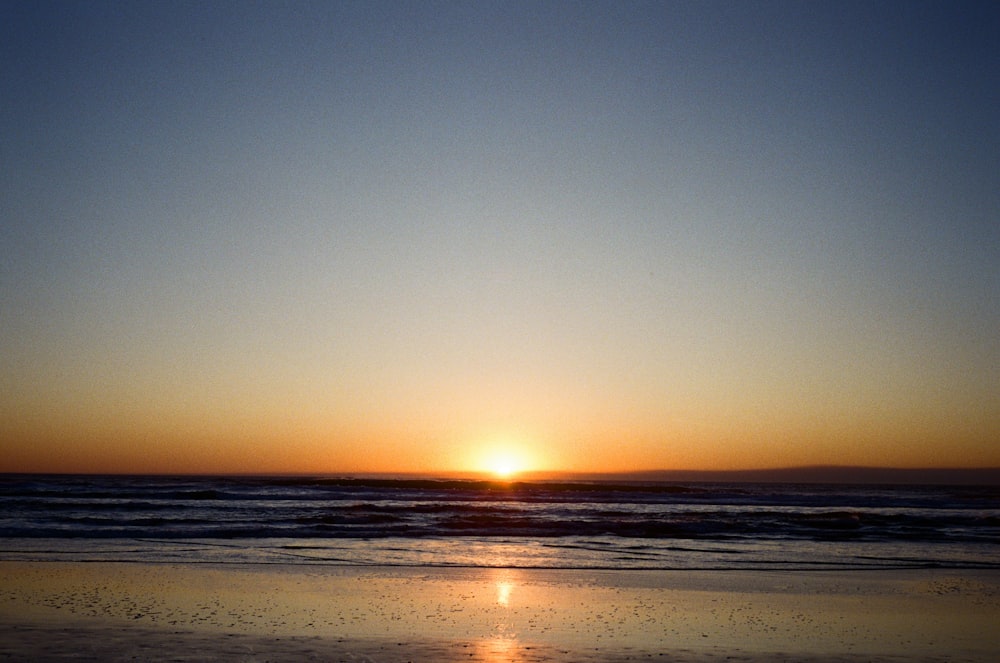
162 611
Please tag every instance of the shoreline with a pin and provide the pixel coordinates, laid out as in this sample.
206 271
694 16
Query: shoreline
236 612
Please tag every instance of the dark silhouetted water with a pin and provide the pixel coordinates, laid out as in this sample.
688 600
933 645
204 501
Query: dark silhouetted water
611 525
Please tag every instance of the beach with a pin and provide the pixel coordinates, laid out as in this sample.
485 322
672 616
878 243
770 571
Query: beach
200 612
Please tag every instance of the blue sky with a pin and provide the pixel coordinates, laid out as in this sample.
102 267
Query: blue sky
665 234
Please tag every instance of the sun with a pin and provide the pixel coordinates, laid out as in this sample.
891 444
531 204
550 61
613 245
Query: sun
503 456
503 467
504 462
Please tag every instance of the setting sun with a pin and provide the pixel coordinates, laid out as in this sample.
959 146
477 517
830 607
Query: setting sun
504 459
503 466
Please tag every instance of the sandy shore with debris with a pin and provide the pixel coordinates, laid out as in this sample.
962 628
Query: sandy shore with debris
187 612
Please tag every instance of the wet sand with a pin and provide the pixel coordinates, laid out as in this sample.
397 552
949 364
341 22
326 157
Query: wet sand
190 612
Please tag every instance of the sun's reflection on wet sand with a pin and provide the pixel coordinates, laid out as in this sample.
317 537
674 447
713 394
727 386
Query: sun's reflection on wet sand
502 643
495 650
504 588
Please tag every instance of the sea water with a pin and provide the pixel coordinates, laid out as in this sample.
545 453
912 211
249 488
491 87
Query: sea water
612 524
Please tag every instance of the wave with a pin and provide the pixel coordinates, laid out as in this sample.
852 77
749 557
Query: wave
549 523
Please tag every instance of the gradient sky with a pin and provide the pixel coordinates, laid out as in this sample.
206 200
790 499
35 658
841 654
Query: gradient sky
338 237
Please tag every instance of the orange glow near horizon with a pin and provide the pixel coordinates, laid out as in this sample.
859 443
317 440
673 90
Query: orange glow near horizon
319 448
469 440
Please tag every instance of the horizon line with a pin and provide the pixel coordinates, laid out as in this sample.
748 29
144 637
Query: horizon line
861 474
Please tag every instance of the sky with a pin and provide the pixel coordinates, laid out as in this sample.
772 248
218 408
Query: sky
438 236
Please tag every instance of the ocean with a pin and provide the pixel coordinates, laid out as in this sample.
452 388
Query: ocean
613 524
